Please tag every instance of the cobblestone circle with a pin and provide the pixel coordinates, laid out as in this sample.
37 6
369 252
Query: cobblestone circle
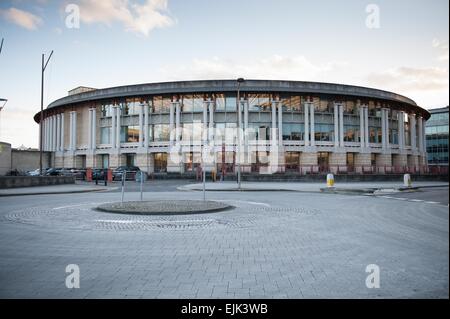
164 207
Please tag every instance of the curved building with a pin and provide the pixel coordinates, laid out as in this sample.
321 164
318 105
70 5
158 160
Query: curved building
281 126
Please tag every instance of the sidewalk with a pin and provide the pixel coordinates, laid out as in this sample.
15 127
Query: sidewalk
363 187
53 189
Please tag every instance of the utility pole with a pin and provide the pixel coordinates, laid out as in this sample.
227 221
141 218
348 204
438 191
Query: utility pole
1 46
44 65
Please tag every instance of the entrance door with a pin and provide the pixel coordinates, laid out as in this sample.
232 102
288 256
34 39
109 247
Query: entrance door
322 160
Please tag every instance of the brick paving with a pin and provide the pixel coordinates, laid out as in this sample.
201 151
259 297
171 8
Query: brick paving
272 245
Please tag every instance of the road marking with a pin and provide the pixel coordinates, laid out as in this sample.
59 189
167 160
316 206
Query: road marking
430 202
244 201
78 205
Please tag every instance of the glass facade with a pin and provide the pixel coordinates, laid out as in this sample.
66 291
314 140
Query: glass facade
437 137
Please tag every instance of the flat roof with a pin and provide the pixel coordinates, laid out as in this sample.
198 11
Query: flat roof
251 85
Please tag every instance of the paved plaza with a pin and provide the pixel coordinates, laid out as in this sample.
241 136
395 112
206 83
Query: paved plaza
271 245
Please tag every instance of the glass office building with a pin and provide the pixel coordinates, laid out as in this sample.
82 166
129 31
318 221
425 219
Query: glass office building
437 137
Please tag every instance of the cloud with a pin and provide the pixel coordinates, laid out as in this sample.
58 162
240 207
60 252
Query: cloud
138 18
273 67
21 18
442 46
410 79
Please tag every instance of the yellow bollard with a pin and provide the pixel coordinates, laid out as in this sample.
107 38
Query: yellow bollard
330 180
407 180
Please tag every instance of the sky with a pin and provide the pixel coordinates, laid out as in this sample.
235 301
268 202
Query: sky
400 46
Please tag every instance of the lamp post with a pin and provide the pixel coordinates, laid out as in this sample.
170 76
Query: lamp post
238 110
44 65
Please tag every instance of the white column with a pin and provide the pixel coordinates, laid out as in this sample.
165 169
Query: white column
280 122
73 130
90 130
211 119
341 124
386 125
245 115
420 128
401 130
146 127
61 146
58 132
50 129
53 133
171 122
424 139
311 110
383 129
336 125
70 131
361 126
118 127
412 123
94 128
306 123
366 125
178 122
141 125
274 121
113 126
205 122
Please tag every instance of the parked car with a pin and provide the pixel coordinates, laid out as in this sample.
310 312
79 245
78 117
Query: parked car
79 173
99 174
52 172
65 172
35 172
130 172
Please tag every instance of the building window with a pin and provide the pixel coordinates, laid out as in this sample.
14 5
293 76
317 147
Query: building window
230 103
220 102
324 132
160 162
106 110
351 133
105 135
129 134
131 107
375 134
105 160
161 132
293 131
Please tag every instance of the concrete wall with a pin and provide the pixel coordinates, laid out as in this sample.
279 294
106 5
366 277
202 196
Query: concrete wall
28 160
27 181
22 160
5 158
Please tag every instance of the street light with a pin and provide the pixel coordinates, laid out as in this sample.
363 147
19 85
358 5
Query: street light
44 65
238 110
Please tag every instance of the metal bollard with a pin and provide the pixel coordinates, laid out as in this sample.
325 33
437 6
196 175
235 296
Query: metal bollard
204 182
407 180
123 184
330 180
105 176
142 182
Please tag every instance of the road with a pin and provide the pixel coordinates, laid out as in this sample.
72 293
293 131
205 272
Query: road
432 195
272 245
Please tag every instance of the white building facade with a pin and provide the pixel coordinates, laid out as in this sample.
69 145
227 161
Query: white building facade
275 127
